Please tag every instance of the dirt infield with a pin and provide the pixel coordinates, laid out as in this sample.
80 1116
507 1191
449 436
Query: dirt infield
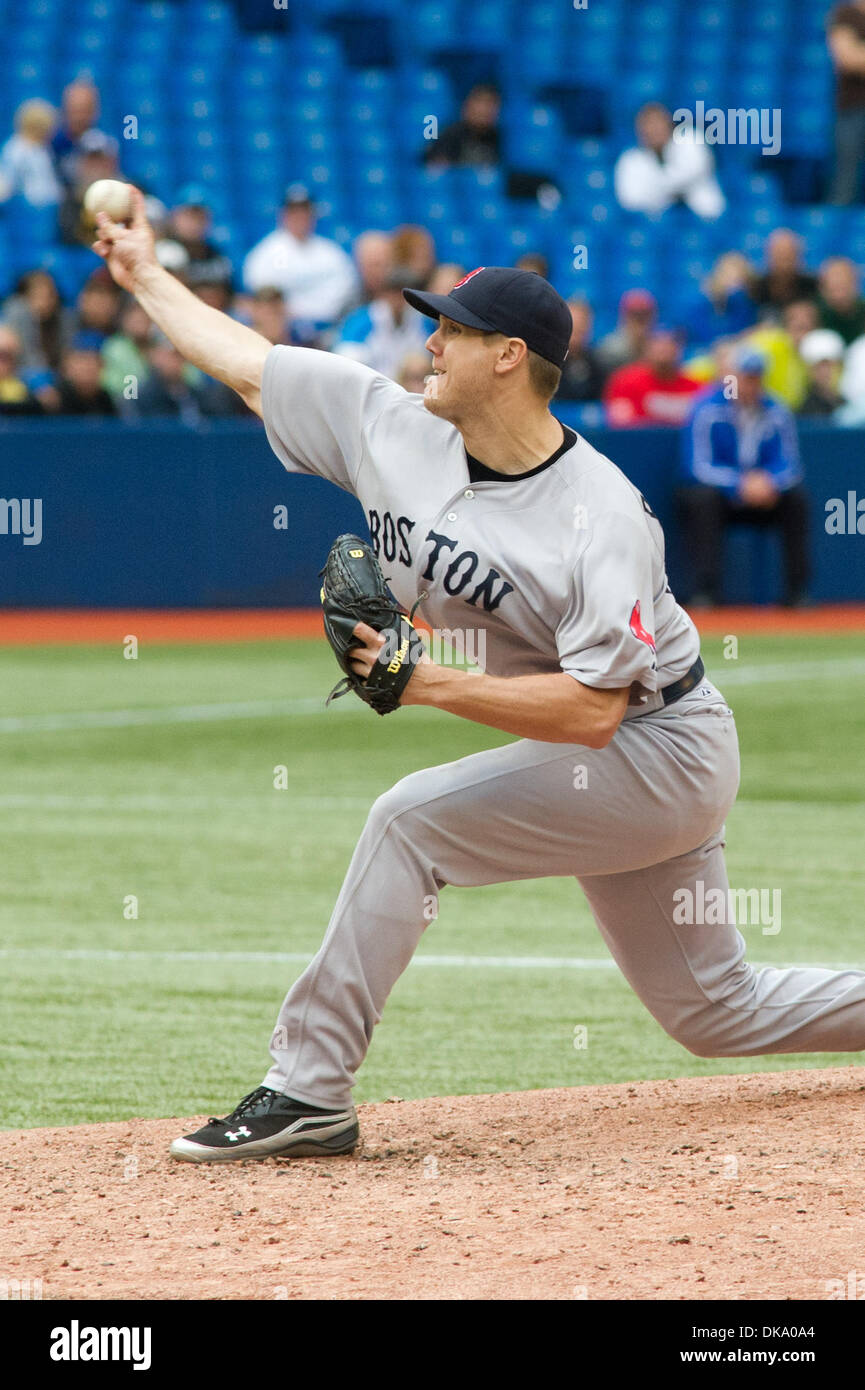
728 1187
32 627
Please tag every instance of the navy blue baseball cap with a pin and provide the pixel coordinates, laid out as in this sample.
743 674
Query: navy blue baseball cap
499 299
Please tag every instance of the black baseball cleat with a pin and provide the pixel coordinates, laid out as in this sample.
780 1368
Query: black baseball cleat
267 1124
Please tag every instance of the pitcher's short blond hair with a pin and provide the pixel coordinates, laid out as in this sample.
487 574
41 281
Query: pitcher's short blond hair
544 376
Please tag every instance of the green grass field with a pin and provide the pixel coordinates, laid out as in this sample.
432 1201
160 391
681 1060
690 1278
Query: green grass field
141 778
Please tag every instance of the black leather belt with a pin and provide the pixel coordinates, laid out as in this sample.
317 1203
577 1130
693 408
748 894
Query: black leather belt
684 684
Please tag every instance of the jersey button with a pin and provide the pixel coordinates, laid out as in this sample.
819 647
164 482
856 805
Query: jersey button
468 493
452 516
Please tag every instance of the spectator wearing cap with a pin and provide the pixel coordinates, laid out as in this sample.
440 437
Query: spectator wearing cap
839 298
654 391
383 333
16 398
475 139
665 167
638 310
184 247
79 387
96 158
78 116
314 274
26 165
582 376
267 312
786 276
846 34
43 325
741 463
822 351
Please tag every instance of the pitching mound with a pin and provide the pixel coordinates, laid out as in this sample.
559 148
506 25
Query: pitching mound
730 1187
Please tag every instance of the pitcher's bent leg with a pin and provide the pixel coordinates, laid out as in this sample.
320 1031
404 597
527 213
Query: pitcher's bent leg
505 814
694 979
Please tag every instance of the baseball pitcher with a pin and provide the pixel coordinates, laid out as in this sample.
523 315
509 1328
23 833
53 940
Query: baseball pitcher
501 522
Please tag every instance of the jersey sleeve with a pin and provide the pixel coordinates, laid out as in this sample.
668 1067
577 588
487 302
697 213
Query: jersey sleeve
605 637
316 408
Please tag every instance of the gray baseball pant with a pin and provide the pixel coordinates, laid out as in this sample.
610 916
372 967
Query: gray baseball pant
636 823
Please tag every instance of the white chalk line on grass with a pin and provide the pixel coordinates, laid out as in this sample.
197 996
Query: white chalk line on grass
764 673
268 803
300 958
161 714
274 802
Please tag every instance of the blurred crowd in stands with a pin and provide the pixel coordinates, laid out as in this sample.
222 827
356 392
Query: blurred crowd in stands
100 355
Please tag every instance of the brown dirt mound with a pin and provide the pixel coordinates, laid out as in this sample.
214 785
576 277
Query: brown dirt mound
37 626
744 1187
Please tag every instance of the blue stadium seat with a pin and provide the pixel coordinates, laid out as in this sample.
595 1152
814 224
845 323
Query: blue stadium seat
769 20
459 243
28 77
28 40
485 24
430 25
544 18
70 267
381 209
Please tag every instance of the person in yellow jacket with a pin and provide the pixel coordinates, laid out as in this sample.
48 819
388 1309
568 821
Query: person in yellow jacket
786 375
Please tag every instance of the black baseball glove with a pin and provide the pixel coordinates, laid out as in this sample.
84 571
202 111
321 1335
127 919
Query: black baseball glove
353 591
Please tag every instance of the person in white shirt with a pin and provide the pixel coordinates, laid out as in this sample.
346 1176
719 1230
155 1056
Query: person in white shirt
314 274
26 166
852 385
667 168
384 332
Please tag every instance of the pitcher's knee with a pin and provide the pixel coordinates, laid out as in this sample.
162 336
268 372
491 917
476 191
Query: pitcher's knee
402 800
707 1032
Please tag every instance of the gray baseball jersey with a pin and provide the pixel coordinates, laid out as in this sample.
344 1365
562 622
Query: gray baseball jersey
563 569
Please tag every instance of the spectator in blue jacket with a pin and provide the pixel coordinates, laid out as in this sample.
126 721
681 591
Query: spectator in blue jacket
741 461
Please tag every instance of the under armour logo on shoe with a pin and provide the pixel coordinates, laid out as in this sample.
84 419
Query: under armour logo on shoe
242 1133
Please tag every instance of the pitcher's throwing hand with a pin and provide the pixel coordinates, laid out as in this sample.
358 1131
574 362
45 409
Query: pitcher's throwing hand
126 250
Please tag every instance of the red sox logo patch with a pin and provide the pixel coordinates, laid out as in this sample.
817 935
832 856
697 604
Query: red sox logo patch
637 628
470 276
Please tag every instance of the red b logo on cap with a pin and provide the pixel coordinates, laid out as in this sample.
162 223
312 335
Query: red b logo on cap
476 271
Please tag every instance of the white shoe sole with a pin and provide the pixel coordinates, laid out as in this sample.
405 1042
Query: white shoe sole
305 1138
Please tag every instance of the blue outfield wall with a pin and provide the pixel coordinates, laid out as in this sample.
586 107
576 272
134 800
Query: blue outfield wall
161 515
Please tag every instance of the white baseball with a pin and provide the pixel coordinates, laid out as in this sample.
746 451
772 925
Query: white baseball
111 196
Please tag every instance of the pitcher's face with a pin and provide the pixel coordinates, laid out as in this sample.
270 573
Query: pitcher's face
463 370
